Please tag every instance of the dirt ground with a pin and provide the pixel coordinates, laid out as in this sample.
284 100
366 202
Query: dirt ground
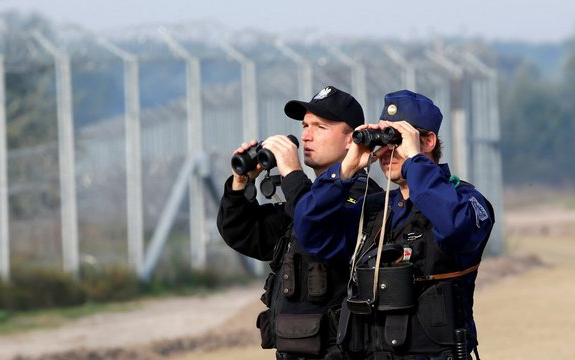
523 308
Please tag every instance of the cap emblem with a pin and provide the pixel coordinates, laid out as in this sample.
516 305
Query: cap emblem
392 109
323 93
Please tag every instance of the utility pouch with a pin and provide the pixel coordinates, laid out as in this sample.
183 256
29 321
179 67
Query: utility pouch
436 313
299 333
357 333
266 333
359 306
266 297
395 288
317 281
288 275
362 299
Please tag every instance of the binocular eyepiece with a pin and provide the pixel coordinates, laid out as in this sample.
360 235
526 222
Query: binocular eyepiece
245 162
372 138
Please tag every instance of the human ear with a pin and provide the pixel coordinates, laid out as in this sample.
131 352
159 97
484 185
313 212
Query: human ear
428 142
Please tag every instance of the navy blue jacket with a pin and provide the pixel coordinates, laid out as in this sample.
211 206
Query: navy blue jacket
459 214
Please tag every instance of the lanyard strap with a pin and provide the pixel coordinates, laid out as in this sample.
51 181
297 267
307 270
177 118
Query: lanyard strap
360 236
383 227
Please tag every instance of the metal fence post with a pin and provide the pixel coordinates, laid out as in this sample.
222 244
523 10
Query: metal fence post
457 145
4 223
409 74
133 155
305 81
358 84
66 158
305 70
250 120
486 146
249 92
198 226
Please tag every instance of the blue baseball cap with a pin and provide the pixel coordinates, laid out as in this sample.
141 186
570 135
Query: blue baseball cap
416 109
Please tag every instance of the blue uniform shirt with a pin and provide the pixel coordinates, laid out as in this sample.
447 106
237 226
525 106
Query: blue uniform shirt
459 214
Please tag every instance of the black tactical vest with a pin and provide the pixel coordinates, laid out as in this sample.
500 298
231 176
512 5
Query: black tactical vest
304 295
440 306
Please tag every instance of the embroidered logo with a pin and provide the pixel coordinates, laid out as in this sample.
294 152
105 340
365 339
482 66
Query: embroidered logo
351 200
323 93
411 236
480 212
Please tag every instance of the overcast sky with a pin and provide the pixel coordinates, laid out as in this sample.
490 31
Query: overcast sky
536 20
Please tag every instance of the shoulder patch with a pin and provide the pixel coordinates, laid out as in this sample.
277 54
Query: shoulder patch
480 213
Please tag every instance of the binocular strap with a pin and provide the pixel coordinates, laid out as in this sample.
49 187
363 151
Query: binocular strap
383 226
360 237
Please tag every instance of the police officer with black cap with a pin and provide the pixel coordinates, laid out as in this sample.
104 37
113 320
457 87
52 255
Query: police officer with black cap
303 294
425 238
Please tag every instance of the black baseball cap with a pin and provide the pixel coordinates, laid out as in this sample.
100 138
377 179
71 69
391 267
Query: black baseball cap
330 103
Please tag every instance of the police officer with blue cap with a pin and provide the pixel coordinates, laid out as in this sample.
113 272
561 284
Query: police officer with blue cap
425 238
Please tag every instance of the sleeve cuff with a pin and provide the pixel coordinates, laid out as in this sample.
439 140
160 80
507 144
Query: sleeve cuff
230 193
419 158
293 180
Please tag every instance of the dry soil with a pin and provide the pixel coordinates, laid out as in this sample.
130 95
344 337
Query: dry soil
523 308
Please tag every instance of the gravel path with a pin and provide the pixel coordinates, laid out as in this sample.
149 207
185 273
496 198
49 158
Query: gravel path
540 246
152 321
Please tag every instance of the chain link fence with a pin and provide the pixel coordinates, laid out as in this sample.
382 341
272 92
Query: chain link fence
151 107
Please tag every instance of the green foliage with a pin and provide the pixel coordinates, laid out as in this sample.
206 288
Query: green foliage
174 274
40 289
537 126
44 288
110 284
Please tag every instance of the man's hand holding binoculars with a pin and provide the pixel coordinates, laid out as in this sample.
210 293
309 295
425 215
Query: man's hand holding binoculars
250 159
240 181
285 152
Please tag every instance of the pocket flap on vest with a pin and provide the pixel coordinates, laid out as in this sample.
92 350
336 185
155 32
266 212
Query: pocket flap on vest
297 326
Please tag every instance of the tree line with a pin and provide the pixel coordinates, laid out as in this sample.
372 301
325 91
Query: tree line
537 114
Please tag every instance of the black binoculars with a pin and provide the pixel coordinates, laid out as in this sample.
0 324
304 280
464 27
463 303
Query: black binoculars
245 162
372 138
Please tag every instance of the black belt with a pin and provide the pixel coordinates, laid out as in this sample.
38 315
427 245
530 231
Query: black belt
384 355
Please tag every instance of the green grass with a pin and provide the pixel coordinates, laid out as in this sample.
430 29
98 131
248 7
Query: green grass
38 296
199 284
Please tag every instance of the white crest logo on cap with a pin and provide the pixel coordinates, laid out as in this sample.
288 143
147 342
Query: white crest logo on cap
322 94
392 109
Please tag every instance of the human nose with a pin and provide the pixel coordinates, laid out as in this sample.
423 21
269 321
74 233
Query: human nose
306 135
384 152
